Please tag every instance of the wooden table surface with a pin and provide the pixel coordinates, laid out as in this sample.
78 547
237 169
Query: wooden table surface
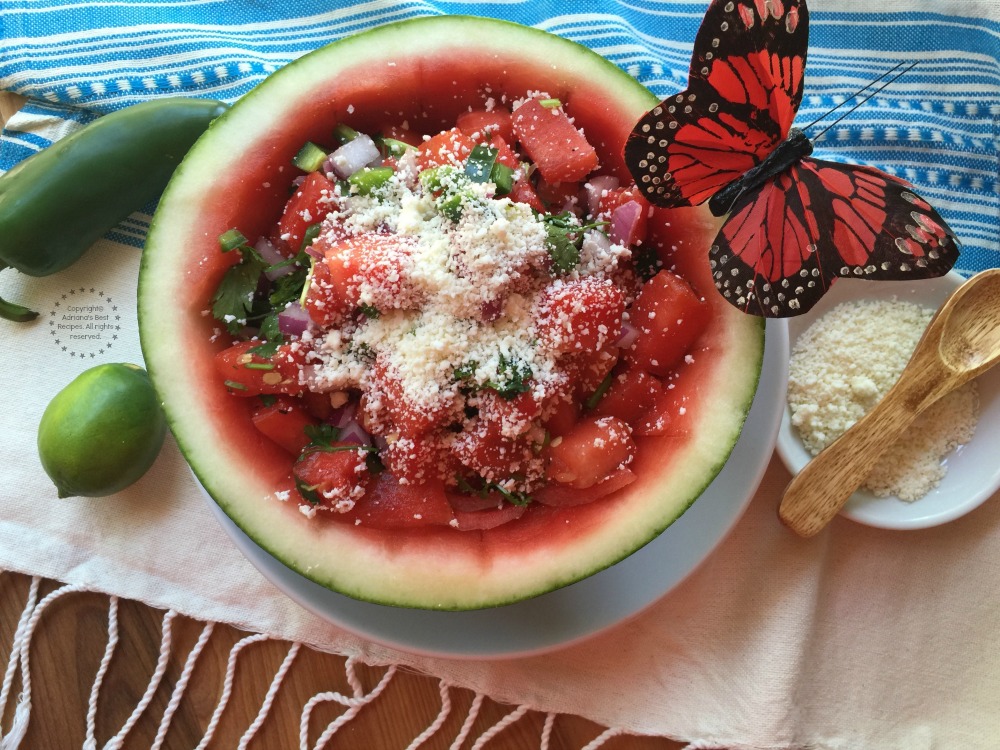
70 640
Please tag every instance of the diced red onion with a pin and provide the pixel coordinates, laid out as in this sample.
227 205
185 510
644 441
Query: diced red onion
595 188
272 256
491 309
623 221
354 155
473 503
344 415
353 432
628 335
481 520
562 495
293 320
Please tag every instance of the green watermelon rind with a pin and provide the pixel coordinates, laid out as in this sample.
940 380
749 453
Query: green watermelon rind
409 574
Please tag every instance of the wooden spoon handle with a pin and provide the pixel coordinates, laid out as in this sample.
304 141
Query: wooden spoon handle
819 491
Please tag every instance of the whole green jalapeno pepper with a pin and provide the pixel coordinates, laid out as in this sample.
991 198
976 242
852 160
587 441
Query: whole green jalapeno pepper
55 204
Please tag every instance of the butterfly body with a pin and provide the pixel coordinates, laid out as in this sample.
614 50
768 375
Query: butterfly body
795 224
788 152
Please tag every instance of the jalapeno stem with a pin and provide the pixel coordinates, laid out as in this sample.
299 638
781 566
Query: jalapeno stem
11 311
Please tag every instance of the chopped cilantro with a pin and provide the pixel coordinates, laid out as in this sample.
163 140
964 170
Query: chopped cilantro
465 371
369 311
321 437
564 236
234 297
512 377
598 394
514 497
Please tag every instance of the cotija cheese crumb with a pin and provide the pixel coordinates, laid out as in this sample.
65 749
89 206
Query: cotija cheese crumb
845 362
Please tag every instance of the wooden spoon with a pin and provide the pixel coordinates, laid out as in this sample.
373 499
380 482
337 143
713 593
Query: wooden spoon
961 341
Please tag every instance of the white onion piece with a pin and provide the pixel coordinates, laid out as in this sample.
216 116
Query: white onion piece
595 188
271 256
628 335
353 156
623 221
293 320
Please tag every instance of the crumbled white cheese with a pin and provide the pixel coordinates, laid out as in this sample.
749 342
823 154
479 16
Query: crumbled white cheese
845 362
451 295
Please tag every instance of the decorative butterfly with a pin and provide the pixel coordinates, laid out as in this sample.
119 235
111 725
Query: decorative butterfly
795 223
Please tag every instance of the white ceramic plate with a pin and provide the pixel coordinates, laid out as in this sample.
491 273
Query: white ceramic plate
973 469
584 608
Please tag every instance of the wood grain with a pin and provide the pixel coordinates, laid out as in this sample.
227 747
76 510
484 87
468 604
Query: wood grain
70 640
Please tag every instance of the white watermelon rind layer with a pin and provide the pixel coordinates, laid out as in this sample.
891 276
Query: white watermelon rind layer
424 574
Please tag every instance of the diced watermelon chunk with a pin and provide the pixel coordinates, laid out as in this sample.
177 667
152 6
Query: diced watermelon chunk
552 141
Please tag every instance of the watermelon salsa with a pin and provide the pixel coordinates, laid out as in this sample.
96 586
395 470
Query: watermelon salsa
437 362
453 328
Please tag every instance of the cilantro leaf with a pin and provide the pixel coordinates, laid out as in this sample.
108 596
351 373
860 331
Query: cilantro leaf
233 299
321 437
564 236
514 497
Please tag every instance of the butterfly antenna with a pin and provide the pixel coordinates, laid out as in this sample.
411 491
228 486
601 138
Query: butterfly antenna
886 83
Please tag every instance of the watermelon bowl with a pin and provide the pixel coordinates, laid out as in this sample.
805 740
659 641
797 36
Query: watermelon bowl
239 174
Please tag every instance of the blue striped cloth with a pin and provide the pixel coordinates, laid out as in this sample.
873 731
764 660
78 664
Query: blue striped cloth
937 127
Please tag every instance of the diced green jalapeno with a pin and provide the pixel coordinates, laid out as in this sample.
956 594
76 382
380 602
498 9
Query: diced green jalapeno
480 163
344 133
367 179
231 240
503 177
310 157
392 147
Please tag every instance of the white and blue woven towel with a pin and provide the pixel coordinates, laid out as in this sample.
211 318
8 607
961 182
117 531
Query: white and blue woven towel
938 127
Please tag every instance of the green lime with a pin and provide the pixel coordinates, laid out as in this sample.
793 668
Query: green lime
102 431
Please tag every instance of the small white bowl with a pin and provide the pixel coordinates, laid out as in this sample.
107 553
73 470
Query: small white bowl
973 469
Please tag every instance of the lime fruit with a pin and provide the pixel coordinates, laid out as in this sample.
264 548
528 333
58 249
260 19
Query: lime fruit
102 431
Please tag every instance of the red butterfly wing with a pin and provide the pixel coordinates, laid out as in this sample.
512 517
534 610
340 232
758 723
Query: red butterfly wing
744 88
782 247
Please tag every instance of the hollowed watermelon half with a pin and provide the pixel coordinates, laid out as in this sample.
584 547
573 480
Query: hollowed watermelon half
239 174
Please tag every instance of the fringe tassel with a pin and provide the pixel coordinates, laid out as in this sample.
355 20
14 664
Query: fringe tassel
15 650
603 737
22 712
272 691
181 685
353 705
166 639
550 720
445 692
470 719
494 730
34 609
227 686
90 743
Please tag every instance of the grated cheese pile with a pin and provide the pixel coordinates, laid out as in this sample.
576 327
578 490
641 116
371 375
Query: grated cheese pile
845 362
